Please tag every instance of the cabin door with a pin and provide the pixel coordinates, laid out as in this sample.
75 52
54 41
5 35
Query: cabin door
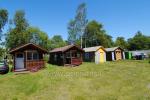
101 56
19 61
118 55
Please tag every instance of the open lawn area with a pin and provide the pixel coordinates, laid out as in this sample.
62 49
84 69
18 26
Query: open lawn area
120 80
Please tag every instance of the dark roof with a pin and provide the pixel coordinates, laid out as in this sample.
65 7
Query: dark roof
28 44
113 49
65 48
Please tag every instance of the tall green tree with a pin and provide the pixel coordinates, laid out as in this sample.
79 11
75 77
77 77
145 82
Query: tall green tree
2 51
16 36
57 41
36 36
95 35
3 20
20 21
81 20
120 41
139 42
22 33
76 27
72 32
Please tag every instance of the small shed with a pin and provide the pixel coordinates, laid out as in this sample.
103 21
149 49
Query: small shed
128 55
28 57
70 55
115 53
95 54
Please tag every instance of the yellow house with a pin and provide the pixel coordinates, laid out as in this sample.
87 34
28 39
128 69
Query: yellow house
95 54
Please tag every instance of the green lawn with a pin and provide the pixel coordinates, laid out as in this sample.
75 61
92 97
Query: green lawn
120 80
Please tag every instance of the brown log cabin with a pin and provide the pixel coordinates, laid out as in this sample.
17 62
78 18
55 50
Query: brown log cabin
28 57
70 55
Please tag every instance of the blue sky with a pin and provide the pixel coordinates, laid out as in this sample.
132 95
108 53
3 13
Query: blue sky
119 17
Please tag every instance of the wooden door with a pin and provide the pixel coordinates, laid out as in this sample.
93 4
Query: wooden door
101 56
19 61
118 55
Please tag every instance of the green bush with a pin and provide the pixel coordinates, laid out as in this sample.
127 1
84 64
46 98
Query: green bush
46 58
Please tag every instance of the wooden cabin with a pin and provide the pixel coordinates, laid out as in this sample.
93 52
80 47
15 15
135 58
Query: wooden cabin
95 54
115 53
28 57
70 55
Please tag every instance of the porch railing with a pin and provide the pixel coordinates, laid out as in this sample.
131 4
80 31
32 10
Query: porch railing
76 61
31 64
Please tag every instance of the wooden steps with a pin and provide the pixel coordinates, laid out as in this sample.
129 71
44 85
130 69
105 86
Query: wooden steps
21 71
69 65
24 72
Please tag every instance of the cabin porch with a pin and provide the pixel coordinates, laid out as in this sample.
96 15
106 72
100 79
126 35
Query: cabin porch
28 60
72 57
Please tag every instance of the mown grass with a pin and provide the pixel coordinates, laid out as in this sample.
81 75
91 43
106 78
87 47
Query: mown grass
120 80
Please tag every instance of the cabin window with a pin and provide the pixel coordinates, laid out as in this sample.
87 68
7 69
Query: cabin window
55 57
29 55
61 55
35 56
67 54
32 56
74 54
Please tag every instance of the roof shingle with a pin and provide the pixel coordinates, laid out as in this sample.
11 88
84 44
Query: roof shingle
25 45
112 49
62 49
92 49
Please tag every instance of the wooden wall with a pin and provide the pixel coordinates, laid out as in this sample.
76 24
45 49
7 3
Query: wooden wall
34 64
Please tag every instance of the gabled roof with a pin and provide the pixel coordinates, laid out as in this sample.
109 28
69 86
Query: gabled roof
26 45
93 49
112 49
65 48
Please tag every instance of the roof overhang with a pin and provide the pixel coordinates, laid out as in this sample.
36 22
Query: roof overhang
61 49
94 49
26 45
